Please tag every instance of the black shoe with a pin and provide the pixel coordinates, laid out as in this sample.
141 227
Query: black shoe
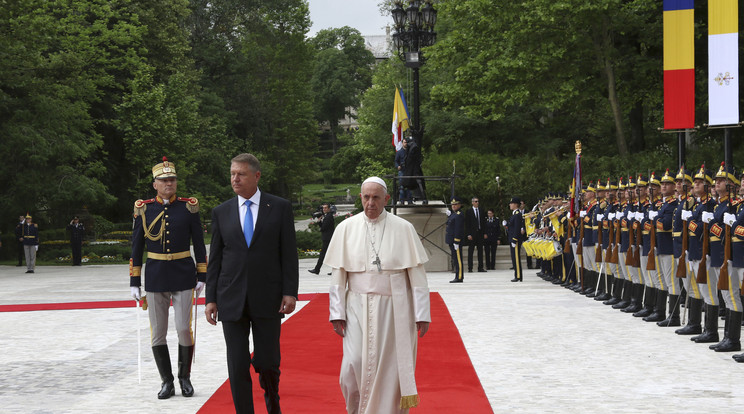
313 271
29 271
670 321
654 317
738 357
516 280
481 270
706 338
727 345
456 280
330 273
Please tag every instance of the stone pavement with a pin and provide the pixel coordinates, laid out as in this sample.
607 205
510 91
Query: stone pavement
536 347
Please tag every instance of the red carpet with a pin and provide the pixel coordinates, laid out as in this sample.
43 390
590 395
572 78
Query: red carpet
27 307
311 358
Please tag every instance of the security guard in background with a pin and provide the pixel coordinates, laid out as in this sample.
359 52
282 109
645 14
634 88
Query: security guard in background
166 226
515 234
453 236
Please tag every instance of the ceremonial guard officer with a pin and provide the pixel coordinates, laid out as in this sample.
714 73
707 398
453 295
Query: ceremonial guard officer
665 264
624 217
618 269
166 226
576 241
730 289
736 272
77 233
607 239
641 216
30 235
587 244
697 251
598 232
514 234
680 239
453 237
635 243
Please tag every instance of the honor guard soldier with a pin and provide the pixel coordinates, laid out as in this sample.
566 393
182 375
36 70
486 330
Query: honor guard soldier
736 272
635 243
588 252
649 297
680 235
619 289
514 230
697 251
166 226
608 208
598 232
625 253
731 292
30 236
453 237
665 265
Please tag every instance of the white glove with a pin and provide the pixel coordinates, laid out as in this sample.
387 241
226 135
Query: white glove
37 247
707 217
448 212
600 217
582 213
503 223
136 292
652 214
456 246
686 215
611 216
729 219
639 216
514 245
199 287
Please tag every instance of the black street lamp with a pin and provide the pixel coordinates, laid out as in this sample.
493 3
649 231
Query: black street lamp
414 29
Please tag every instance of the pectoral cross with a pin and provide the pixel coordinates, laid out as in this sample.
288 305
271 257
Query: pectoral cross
377 262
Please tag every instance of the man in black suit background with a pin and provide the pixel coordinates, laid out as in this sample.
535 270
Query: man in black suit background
252 281
475 226
327 225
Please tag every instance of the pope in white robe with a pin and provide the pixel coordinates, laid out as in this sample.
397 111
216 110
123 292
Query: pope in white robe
379 298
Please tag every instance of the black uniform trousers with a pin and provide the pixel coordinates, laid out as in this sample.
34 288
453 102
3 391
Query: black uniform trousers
516 260
21 254
322 255
77 251
490 249
456 261
479 245
266 353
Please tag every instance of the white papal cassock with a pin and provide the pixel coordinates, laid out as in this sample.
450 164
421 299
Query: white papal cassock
381 307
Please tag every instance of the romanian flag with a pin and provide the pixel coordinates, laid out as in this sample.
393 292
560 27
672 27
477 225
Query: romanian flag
679 64
723 62
400 119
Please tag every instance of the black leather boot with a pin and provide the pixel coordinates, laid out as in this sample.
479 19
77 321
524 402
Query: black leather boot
162 360
731 342
185 356
636 299
269 381
673 318
606 287
617 291
626 296
710 334
649 301
659 312
695 313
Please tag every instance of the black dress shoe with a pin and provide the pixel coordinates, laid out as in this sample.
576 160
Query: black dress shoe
516 280
313 271
482 270
29 271
455 280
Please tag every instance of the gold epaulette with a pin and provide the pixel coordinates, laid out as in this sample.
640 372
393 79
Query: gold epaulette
141 205
603 205
191 203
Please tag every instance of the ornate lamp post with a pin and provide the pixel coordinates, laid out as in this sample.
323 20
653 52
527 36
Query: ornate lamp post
414 29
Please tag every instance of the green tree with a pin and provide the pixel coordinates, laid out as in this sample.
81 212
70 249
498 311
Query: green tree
342 70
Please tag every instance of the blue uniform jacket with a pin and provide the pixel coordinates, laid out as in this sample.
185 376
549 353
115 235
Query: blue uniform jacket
455 228
695 227
177 225
716 230
663 223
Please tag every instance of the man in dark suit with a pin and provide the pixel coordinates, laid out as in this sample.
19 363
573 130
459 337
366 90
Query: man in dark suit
252 281
327 224
475 226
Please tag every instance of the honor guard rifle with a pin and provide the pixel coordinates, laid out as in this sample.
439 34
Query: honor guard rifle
702 270
723 279
682 264
651 265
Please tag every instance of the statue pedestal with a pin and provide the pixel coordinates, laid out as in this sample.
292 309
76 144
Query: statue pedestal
430 223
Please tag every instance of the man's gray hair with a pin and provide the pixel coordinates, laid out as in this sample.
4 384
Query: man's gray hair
249 159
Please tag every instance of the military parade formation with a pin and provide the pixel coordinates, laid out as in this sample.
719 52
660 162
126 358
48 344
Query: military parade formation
649 245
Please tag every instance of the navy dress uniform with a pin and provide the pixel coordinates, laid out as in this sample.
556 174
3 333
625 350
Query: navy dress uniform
453 237
666 266
166 228
514 233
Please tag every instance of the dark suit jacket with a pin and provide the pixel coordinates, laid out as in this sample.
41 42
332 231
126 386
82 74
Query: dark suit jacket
471 224
256 277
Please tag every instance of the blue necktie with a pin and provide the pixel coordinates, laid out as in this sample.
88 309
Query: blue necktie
248 224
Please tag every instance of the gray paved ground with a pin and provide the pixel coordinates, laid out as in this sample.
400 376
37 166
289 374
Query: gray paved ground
536 348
